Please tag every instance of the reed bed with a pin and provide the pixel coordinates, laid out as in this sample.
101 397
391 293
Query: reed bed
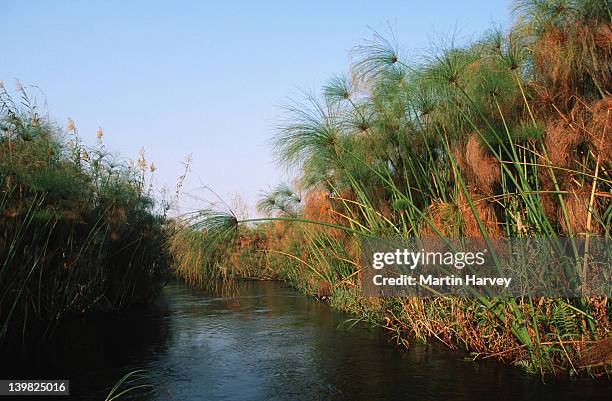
507 136
79 231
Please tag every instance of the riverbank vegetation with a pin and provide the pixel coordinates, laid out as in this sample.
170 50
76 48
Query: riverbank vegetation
79 229
507 136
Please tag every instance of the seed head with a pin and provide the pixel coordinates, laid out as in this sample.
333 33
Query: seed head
99 133
70 125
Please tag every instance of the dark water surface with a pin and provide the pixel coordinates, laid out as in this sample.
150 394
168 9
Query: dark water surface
270 343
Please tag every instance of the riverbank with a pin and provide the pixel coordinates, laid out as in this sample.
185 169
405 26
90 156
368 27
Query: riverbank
461 324
503 136
80 232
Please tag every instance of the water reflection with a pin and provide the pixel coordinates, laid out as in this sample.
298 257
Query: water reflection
273 343
92 352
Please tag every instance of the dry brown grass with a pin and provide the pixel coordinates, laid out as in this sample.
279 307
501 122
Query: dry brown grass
317 206
598 353
483 167
584 126
564 56
577 208
560 141
457 219
597 129
485 212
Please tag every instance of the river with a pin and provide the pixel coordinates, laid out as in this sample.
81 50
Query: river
269 343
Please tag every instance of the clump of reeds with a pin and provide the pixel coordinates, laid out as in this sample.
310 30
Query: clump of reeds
505 137
79 230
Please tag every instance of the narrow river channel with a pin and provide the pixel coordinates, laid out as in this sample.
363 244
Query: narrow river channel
270 343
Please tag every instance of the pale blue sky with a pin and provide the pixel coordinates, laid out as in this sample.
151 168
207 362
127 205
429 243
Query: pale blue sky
204 77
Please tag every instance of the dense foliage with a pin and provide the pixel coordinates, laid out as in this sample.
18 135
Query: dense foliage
79 231
505 137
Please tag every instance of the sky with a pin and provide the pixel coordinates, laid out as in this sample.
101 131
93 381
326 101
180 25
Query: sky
205 78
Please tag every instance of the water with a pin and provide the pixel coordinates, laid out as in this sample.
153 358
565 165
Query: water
271 343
